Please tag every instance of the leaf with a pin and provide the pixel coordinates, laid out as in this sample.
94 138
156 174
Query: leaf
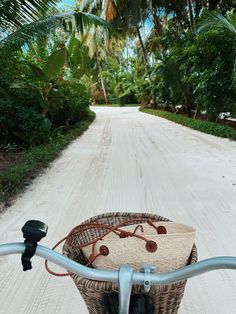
46 125
38 72
71 43
15 13
41 27
81 60
216 21
74 43
18 85
55 63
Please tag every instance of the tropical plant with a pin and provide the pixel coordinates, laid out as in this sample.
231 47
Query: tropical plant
50 72
34 99
227 25
127 16
21 21
211 74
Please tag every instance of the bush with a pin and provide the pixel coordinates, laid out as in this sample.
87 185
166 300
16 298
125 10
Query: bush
20 119
211 76
68 104
200 125
35 159
23 118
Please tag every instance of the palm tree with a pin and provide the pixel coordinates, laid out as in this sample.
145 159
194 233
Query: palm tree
218 21
16 13
22 20
127 16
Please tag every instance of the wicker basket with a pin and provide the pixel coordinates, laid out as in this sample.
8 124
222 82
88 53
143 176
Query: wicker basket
102 297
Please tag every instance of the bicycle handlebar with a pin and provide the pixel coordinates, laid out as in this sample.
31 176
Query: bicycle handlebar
125 276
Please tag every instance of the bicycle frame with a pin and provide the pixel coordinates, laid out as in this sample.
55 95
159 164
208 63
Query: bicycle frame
125 276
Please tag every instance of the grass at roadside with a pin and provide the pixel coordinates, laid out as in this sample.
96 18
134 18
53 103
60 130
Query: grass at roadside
200 125
15 178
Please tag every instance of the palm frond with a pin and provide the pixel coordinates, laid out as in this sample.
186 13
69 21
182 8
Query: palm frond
72 21
90 6
85 20
152 42
217 21
29 32
16 13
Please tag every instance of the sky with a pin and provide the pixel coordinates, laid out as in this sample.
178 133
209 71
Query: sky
66 2
69 2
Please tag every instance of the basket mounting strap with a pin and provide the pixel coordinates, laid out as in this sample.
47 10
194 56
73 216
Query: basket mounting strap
125 287
147 270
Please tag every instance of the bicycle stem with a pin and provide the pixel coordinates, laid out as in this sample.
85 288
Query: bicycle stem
125 276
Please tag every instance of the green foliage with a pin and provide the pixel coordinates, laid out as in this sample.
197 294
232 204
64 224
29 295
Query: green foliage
194 70
22 22
55 63
211 62
68 104
145 82
34 160
52 69
217 21
16 13
20 121
200 125
35 103
79 58
120 79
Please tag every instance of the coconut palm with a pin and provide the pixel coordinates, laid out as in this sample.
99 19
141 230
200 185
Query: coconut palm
22 20
16 13
130 16
127 16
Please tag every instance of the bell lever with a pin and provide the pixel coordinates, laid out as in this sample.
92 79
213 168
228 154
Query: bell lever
33 232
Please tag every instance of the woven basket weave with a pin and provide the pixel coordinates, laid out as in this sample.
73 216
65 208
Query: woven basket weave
102 297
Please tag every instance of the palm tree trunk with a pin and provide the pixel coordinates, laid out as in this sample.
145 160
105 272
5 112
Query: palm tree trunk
196 112
99 67
157 23
144 52
190 12
104 90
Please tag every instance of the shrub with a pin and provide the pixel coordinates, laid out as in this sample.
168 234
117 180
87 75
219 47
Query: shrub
200 125
20 120
68 104
12 180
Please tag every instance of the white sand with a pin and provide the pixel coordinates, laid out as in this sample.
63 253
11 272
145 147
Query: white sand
128 161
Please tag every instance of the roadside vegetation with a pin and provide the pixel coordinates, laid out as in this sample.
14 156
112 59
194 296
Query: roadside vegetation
199 125
44 98
185 63
177 56
31 162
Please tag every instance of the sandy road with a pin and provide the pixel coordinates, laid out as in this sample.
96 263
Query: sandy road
128 161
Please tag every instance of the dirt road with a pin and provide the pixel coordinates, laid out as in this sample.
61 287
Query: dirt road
128 161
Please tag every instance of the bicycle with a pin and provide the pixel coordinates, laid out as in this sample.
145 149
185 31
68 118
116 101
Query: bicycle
34 231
